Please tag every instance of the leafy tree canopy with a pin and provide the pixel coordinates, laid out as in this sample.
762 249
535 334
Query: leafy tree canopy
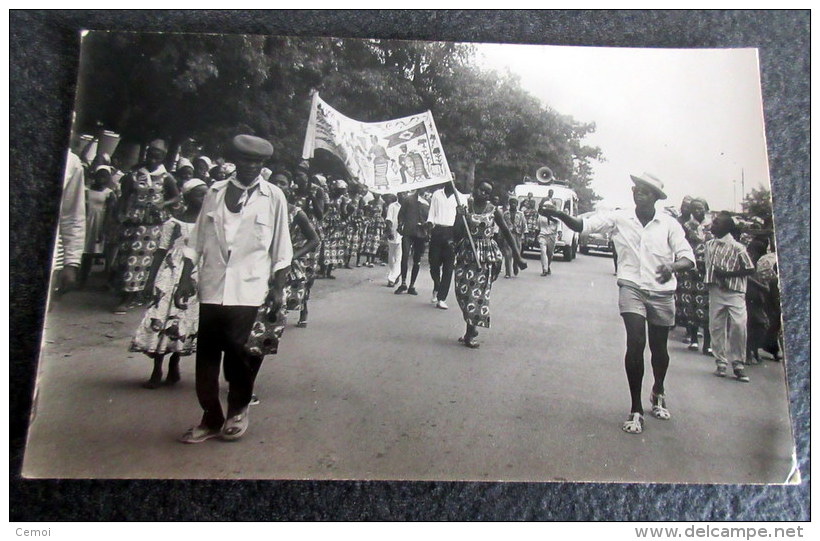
209 87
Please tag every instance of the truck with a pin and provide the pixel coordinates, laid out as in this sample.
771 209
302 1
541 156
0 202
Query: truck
530 194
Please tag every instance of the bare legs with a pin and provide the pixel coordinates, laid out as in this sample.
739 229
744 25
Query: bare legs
636 338
156 376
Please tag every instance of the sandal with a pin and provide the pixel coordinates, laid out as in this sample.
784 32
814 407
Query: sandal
633 425
235 426
302 324
659 410
199 433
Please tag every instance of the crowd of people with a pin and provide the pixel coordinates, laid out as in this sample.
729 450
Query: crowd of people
214 252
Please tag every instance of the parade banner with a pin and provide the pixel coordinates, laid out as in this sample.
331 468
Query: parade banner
391 156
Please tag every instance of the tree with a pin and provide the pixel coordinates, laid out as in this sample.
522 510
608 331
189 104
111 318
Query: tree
208 87
758 203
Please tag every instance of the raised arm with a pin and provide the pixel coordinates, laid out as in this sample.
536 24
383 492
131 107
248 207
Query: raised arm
575 224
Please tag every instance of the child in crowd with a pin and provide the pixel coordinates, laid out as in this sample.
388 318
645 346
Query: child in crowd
167 328
727 267
100 202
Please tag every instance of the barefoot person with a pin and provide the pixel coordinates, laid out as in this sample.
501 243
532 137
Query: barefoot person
242 244
166 328
651 247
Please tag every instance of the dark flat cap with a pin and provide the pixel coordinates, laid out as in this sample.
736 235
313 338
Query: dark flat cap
252 146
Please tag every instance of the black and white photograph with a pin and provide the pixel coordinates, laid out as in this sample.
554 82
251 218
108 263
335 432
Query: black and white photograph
368 259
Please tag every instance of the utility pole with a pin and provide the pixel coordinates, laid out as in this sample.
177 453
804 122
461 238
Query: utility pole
742 187
734 194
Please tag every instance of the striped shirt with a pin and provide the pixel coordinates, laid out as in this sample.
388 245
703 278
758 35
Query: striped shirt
728 255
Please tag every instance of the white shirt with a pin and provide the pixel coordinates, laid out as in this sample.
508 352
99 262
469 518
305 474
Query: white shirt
642 249
71 232
443 208
237 273
393 217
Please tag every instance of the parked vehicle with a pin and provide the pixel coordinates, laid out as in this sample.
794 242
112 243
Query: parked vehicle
598 242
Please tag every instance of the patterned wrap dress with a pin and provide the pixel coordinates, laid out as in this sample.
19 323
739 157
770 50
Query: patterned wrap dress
474 279
164 327
302 272
355 225
141 228
334 245
374 230
692 295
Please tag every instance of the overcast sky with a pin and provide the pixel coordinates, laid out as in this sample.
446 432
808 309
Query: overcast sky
691 117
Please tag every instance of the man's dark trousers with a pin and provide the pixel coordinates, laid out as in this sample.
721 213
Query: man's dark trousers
224 329
441 257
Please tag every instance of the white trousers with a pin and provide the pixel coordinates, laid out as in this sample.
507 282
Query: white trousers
727 325
393 261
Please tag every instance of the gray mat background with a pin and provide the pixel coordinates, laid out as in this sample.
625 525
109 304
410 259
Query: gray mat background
44 49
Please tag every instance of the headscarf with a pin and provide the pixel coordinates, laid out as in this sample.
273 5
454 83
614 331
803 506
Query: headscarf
207 161
702 201
105 167
228 169
184 162
341 184
191 184
320 180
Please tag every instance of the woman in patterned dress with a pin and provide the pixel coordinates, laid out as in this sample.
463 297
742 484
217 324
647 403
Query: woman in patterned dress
474 278
302 272
373 230
147 195
165 328
693 295
354 218
334 228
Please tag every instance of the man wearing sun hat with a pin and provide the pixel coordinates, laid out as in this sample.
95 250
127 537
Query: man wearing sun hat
651 247
242 245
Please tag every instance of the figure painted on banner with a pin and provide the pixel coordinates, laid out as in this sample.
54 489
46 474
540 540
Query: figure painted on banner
381 160
437 162
419 166
406 167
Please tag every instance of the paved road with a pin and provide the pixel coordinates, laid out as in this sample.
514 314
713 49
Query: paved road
378 388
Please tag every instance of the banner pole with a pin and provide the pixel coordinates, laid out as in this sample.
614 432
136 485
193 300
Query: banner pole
310 131
464 218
